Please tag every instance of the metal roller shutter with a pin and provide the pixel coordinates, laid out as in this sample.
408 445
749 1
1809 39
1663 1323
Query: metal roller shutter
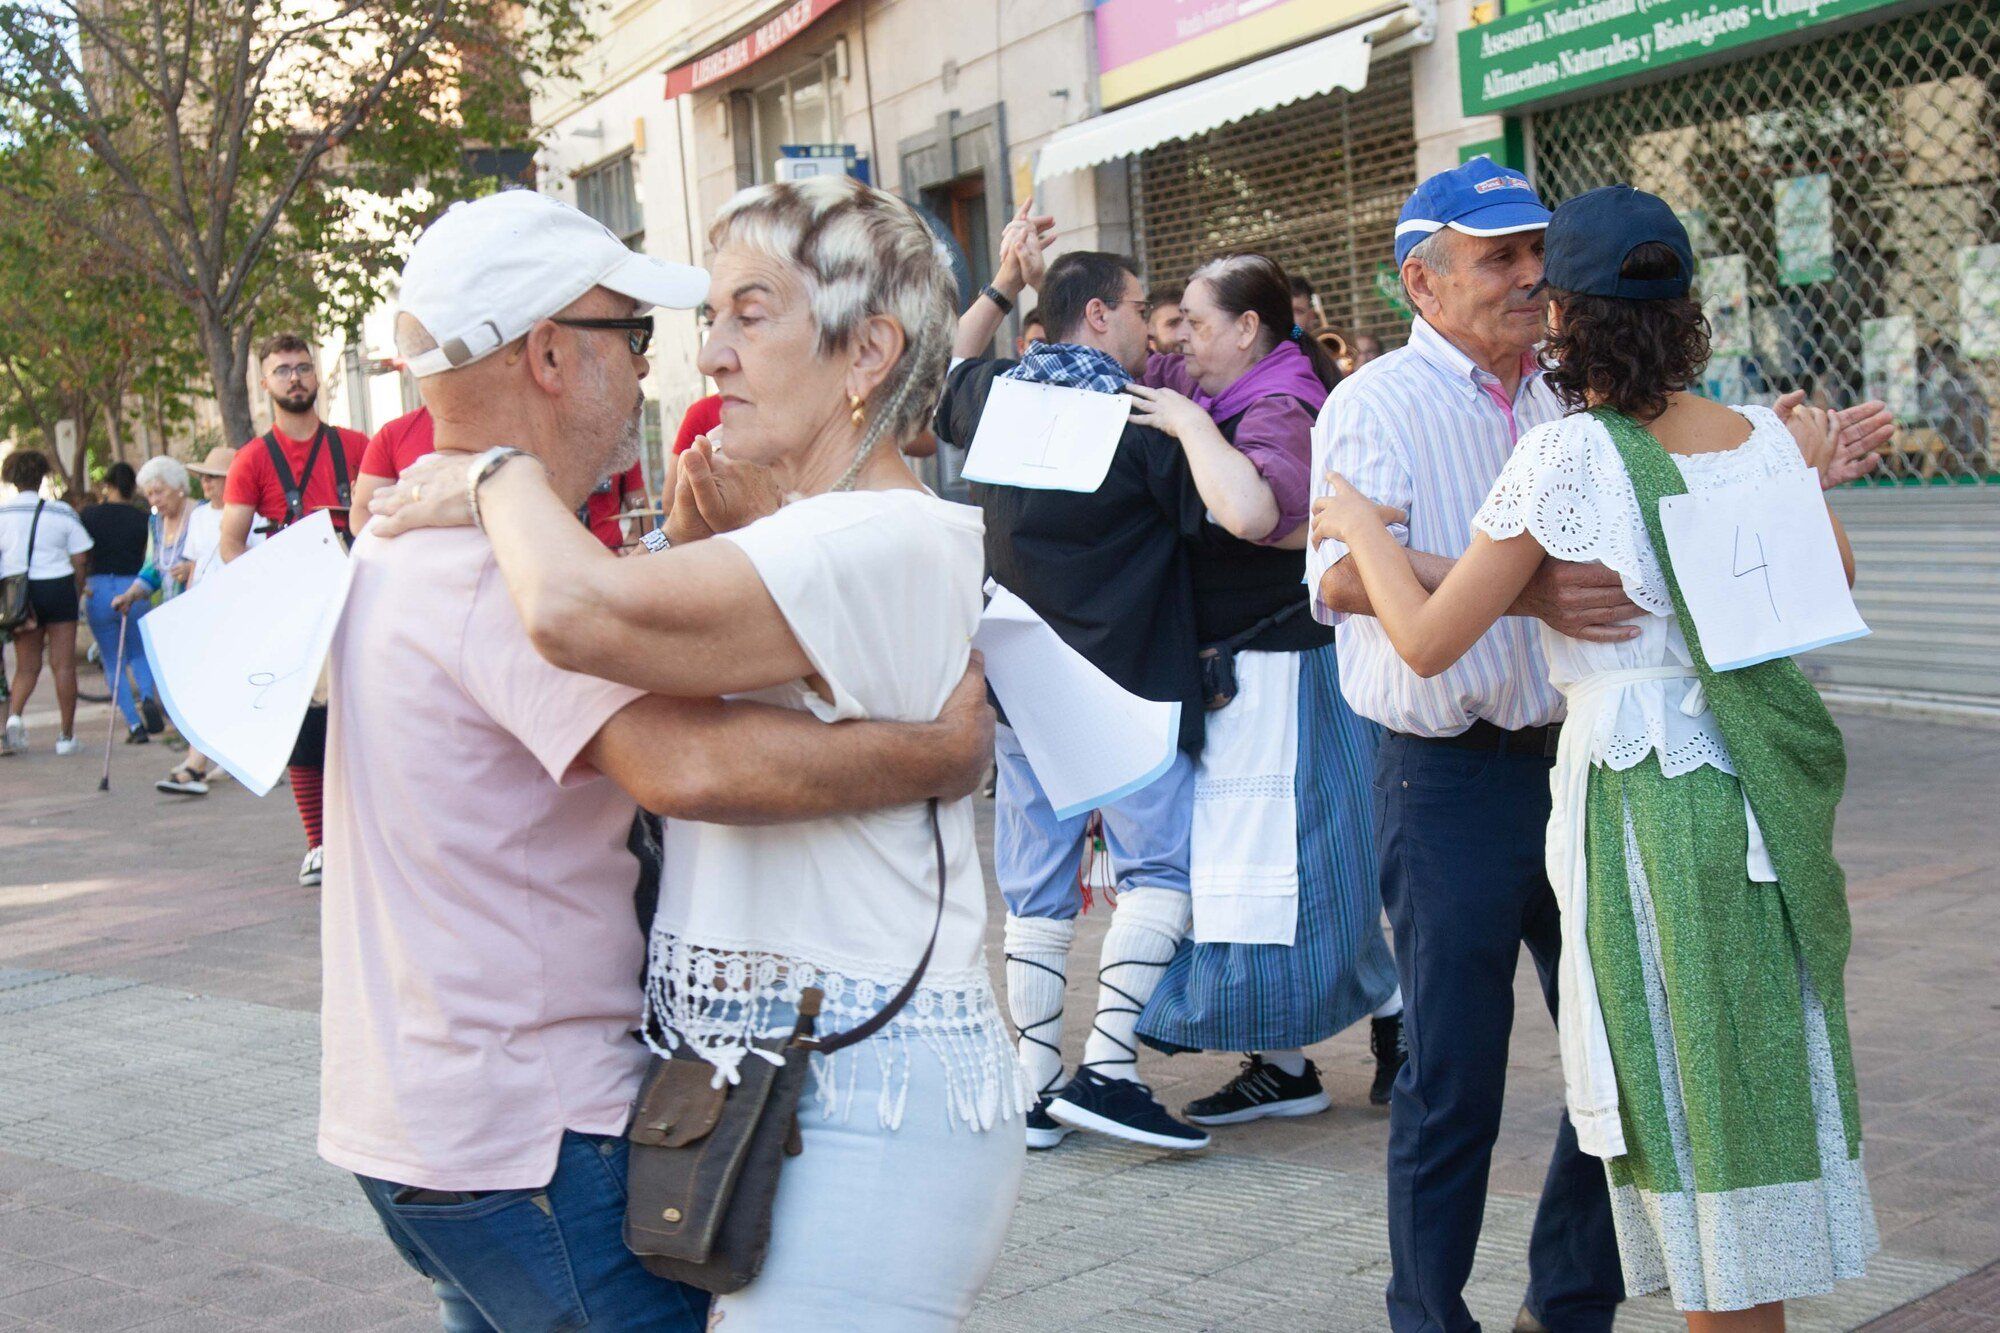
1902 118
1316 185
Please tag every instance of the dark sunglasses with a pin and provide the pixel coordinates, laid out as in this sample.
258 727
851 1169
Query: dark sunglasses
638 329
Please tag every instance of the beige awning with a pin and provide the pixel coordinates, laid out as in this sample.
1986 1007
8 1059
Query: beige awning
1338 60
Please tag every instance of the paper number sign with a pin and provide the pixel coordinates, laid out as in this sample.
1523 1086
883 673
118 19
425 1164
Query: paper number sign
1046 437
1759 569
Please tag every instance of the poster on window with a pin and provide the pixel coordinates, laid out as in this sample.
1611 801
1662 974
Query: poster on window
1889 363
1803 211
1979 301
1725 299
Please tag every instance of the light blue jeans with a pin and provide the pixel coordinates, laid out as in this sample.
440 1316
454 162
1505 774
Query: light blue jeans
881 1230
1036 855
104 627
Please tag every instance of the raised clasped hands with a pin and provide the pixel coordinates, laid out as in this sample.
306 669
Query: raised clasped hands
1022 261
715 493
1843 445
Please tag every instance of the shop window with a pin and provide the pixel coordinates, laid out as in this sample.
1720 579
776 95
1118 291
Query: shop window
609 194
800 108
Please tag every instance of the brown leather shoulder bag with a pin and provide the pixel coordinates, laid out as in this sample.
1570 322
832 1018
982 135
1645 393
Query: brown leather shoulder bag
703 1168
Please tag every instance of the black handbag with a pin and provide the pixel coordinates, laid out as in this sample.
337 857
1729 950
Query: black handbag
702 1171
16 609
1218 660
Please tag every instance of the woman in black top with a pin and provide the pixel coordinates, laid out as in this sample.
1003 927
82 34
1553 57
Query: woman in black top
118 531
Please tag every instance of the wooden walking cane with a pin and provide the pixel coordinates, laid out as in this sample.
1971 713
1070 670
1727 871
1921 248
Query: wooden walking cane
111 722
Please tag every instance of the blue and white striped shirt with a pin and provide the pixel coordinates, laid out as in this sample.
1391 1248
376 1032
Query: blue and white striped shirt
1426 430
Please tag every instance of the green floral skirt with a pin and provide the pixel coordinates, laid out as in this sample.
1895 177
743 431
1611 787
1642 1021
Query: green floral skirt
1742 1180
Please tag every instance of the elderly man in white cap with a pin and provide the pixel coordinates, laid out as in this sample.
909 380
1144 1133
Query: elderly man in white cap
482 959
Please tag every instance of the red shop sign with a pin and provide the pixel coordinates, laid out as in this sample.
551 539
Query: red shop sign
746 50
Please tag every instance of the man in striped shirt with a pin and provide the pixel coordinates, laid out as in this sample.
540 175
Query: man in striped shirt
1462 778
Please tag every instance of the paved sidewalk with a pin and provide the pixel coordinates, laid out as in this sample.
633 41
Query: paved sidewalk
158 1075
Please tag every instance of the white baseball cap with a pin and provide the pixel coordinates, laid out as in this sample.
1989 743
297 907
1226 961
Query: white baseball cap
484 273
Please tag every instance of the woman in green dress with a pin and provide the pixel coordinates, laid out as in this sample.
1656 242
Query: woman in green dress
1705 931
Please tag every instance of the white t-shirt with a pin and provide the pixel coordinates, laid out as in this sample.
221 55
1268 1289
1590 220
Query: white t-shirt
204 541
59 537
882 590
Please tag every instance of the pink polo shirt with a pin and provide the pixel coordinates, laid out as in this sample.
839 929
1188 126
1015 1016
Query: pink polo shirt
481 956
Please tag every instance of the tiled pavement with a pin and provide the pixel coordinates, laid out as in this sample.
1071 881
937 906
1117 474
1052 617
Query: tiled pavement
158 1070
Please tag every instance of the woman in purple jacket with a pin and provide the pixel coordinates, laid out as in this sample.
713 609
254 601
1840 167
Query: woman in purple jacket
1287 945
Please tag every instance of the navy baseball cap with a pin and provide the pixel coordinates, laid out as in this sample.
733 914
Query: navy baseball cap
1591 235
1479 198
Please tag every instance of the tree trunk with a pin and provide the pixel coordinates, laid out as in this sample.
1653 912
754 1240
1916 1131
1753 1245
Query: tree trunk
77 476
114 433
228 366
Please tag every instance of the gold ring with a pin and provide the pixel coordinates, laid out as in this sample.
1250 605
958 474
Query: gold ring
416 493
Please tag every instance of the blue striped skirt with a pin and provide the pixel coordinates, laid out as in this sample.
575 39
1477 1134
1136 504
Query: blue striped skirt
1260 997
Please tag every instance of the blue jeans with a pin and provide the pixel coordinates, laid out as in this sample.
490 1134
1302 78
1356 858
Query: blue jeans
104 627
540 1261
1036 855
1461 835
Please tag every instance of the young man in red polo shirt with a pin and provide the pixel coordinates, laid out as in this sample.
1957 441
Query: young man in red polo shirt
300 465
393 448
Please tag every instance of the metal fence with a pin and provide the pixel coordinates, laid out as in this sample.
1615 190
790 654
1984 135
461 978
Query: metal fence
1315 185
1844 199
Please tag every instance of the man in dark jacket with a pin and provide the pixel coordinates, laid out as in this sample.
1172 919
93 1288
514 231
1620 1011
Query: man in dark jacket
1108 571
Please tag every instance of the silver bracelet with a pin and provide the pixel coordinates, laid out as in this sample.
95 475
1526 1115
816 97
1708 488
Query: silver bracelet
655 541
483 467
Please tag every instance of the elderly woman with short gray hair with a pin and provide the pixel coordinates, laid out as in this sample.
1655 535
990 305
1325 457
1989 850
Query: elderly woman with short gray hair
832 316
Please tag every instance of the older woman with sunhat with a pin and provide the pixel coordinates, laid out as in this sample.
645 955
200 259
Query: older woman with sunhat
1703 915
832 318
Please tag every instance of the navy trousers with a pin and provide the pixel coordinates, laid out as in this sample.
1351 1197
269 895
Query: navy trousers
1461 835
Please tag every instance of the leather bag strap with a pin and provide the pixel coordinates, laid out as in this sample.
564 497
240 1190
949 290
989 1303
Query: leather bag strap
863 1031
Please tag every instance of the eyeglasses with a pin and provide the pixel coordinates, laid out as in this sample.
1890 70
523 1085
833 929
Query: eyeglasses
1145 306
638 329
284 373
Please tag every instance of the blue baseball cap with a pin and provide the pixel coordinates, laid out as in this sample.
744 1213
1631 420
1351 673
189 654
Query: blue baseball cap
1479 198
1591 235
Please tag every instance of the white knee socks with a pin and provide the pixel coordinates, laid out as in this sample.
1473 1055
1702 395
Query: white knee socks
1037 966
1145 929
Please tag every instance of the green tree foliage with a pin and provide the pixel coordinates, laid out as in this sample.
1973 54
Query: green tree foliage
262 163
82 335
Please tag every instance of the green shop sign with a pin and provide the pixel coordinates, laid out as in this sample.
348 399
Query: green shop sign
1561 46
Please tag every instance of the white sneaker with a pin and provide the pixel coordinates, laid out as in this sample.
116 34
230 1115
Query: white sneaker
310 868
68 745
17 733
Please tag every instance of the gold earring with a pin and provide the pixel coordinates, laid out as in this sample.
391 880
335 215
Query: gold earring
858 416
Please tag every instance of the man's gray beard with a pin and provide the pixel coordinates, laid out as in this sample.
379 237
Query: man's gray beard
628 450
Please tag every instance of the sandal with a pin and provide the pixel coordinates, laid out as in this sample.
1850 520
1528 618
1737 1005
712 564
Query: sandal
184 781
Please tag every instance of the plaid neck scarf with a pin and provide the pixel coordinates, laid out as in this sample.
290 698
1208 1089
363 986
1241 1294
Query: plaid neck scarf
1072 366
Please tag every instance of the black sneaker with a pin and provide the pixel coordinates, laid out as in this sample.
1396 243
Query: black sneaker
1044 1130
156 721
1124 1109
1385 1038
1262 1089
138 736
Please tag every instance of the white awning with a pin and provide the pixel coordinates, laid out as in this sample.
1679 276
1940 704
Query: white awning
1338 60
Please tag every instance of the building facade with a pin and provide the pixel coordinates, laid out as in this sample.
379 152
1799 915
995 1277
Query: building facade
1837 161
